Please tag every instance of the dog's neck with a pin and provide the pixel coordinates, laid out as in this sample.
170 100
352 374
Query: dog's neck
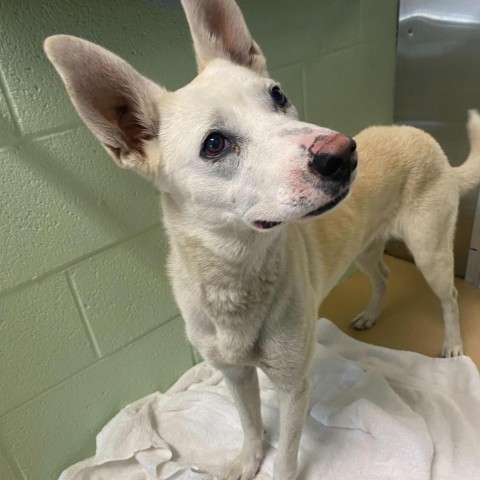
242 251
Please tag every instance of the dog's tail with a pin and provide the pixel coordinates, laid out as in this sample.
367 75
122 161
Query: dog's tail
469 172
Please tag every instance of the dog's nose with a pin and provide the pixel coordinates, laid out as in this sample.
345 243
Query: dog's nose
337 165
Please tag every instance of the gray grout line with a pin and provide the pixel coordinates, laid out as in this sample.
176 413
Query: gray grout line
74 262
146 334
305 60
12 462
88 367
10 103
361 13
66 127
41 135
83 315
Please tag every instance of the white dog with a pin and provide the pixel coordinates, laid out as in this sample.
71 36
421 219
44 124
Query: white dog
245 185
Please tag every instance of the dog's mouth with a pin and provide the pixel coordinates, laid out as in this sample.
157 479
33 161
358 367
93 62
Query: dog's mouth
266 225
328 206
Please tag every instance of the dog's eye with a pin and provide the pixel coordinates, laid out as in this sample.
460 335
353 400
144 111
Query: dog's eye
214 145
278 96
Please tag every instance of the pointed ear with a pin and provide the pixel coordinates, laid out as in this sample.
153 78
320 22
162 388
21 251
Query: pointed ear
120 106
219 31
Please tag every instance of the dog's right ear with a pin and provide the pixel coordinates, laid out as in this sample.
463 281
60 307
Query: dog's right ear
219 31
120 106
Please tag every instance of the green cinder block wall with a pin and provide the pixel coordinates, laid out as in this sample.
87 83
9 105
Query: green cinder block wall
87 319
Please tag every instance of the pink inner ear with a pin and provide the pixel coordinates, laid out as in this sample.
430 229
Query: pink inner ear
132 131
220 25
216 20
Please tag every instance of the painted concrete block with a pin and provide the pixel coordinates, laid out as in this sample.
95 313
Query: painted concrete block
353 88
6 472
153 38
7 130
61 198
64 205
289 31
124 291
42 341
378 19
292 85
340 25
58 428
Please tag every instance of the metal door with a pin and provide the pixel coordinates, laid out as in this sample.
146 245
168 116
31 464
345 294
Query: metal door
438 80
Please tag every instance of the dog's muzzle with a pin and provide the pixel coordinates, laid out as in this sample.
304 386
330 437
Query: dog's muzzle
337 164
333 161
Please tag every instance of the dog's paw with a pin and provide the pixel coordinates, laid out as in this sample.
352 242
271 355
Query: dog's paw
244 467
363 321
454 350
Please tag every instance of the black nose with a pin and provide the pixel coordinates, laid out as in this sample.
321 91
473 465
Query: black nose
336 166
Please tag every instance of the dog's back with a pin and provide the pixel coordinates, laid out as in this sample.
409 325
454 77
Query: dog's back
406 189
402 170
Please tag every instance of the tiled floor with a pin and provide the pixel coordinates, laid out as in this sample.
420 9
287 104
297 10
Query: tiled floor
411 315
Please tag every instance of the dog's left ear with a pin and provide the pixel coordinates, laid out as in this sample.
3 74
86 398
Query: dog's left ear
219 31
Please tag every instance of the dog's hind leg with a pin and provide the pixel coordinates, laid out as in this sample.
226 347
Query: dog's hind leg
431 244
370 262
243 385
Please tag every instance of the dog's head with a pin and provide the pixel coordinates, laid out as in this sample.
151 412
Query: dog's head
228 148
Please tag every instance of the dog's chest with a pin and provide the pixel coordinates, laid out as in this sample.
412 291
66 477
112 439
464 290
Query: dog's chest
224 308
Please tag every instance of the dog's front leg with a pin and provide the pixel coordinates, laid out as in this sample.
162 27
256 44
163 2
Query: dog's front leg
243 385
293 408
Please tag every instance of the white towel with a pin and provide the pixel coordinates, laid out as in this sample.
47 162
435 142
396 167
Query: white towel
374 413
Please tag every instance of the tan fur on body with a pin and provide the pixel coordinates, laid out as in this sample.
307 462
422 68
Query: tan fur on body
248 269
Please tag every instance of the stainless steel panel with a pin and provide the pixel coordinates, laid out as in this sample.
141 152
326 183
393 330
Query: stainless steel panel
473 266
438 80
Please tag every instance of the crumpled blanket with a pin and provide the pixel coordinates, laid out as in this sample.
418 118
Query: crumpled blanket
374 413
